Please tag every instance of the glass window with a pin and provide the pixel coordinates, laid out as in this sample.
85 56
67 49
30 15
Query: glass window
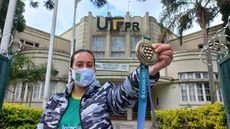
36 92
197 91
98 46
200 92
52 88
184 92
23 90
205 75
207 92
134 41
18 91
118 47
29 43
197 75
190 76
192 94
36 45
182 76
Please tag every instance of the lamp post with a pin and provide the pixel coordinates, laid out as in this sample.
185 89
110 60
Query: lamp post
50 56
73 41
5 39
8 26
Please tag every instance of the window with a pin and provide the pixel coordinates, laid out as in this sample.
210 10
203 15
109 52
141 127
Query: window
207 92
98 46
134 41
205 75
27 44
192 94
200 92
52 88
197 75
18 92
38 90
200 46
184 93
118 47
197 91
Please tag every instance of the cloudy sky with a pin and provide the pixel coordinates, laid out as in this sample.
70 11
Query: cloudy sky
41 18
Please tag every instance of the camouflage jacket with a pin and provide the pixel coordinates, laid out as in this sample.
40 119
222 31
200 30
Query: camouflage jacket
97 104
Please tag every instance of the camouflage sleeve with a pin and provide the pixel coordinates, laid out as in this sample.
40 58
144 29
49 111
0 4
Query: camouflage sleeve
52 113
124 96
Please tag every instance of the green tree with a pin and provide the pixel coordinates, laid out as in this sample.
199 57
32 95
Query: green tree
32 75
49 4
186 13
224 6
24 71
19 21
19 62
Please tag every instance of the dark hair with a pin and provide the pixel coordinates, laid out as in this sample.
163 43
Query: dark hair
78 51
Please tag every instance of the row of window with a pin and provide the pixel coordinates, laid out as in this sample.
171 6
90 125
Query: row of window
197 91
203 75
118 46
38 91
190 92
28 43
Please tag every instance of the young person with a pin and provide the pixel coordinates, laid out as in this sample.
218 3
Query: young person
85 104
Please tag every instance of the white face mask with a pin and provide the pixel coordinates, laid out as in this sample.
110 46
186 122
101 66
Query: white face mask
83 77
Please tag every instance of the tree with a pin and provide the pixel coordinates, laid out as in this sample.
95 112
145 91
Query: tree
49 4
19 62
185 14
1 5
225 11
32 75
19 21
24 71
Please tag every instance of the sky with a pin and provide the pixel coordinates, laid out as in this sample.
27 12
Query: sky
41 18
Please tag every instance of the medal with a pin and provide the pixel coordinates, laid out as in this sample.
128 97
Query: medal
148 57
145 53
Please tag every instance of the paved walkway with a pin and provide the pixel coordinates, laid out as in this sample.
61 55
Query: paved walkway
126 124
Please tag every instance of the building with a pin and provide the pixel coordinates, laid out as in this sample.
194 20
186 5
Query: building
113 39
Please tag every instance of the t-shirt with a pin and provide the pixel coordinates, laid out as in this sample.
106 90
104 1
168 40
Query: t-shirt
71 117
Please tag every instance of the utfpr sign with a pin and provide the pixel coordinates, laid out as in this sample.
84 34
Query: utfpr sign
116 24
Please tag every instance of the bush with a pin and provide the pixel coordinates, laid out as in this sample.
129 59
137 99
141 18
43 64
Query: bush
210 116
15 116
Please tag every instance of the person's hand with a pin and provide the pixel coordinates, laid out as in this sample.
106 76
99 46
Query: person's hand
165 57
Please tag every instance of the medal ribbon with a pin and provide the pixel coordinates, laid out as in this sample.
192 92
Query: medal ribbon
142 100
144 83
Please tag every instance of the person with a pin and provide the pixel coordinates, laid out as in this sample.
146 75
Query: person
85 104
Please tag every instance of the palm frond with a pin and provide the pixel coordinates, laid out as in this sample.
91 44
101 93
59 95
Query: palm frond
99 3
49 4
34 4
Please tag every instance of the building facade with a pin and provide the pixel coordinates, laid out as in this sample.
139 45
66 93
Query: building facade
113 39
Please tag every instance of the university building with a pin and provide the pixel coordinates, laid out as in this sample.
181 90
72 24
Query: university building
113 40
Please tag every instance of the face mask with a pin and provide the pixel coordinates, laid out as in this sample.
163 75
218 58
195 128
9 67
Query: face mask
83 77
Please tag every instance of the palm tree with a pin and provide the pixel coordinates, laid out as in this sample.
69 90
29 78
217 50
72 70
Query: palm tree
185 13
49 4
31 76
225 11
19 62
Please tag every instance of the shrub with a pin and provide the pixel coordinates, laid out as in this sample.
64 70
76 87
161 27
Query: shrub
15 116
209 116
